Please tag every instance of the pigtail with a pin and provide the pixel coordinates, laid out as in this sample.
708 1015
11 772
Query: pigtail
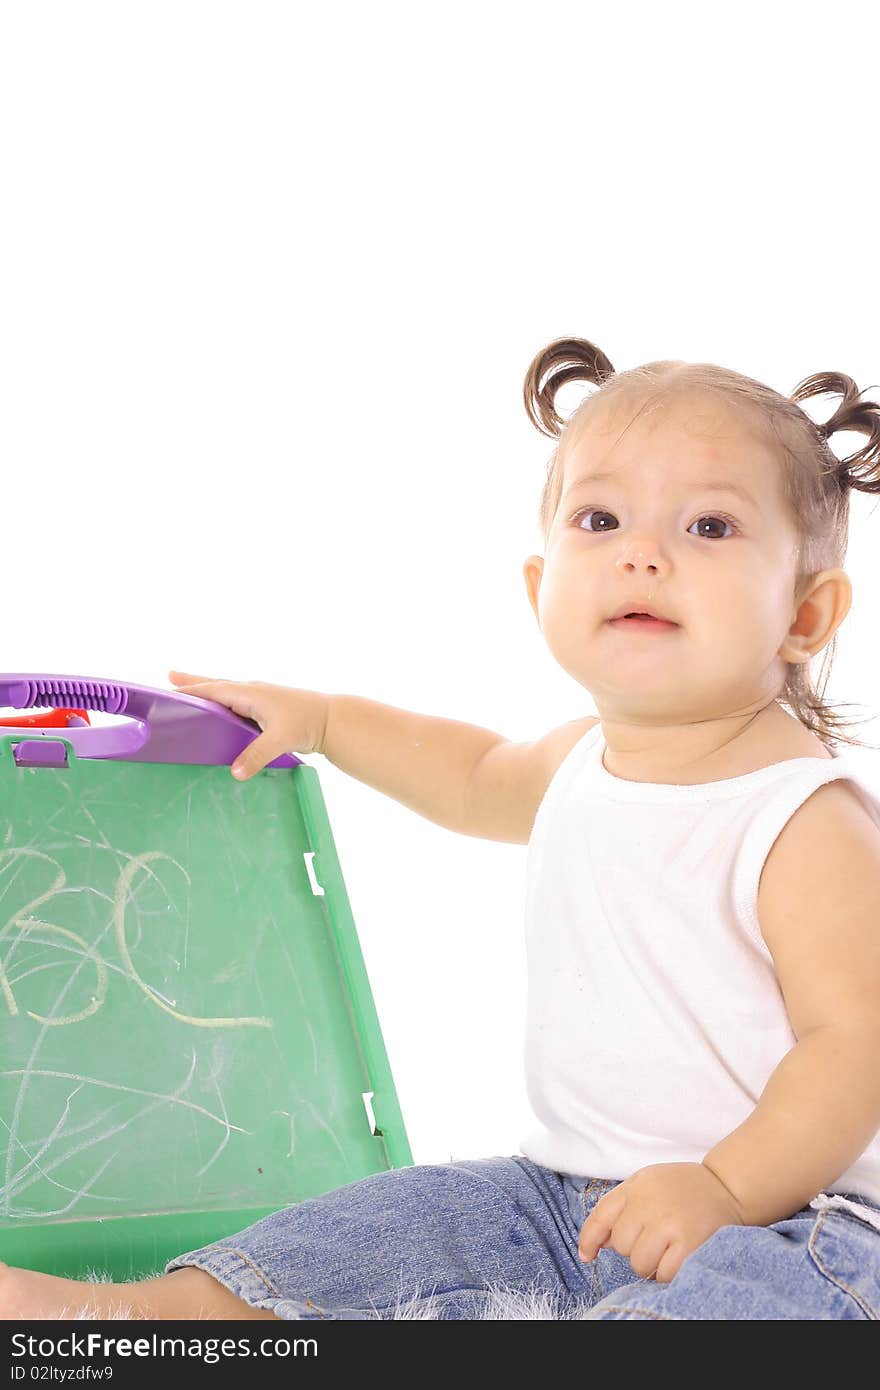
563 360
862 417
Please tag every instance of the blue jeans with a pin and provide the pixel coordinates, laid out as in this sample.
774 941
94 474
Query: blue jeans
447 1233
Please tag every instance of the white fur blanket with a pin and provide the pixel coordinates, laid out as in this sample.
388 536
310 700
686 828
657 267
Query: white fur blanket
502 1304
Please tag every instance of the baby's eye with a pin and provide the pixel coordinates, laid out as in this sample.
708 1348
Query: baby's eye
724 521
712 517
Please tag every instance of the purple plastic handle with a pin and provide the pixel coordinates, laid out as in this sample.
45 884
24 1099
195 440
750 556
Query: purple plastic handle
165 726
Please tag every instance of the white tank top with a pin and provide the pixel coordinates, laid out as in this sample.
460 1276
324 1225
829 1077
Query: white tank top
655 1015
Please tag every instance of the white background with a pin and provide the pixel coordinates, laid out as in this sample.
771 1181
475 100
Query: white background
272 275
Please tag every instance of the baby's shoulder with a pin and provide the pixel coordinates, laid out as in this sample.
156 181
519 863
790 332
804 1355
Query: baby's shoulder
831 833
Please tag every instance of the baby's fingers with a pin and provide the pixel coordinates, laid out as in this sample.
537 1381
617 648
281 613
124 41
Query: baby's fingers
184 678
238 698
595 1232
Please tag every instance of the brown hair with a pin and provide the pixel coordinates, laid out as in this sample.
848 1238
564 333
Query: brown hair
816 483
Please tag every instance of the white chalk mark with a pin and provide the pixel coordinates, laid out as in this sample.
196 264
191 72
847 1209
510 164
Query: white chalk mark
121 898
189 855
33 1159
14 855
122 888
311 1032
224 1141
289 1153
96 1001
19 854
62 1211
118 1086
20 1185
322 1123
108 1134
53 965
154 990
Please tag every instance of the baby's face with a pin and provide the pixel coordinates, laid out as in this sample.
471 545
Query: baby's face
656 533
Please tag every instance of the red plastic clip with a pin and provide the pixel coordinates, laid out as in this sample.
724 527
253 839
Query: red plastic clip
55 719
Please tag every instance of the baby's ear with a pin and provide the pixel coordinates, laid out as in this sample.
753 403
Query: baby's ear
533 571
821 610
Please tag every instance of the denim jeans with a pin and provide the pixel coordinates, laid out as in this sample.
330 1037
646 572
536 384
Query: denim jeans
450 1232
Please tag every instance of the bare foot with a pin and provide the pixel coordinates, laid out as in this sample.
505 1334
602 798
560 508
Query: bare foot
187 1293
25 1293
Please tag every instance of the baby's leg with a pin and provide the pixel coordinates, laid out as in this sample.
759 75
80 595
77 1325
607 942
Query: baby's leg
188 1294
430 1240
425 1241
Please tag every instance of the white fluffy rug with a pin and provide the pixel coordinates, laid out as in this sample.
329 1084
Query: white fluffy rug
502 1304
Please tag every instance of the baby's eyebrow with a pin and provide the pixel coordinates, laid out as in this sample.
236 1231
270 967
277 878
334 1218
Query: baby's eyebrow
697 485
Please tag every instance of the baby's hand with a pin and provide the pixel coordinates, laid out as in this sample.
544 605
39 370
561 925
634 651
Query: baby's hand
658 1216
293 721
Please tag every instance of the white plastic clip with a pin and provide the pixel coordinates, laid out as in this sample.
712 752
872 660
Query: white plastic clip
836 1200
317 890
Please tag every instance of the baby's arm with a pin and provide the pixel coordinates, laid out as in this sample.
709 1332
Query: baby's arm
458 775
819 909
423 761
817 1114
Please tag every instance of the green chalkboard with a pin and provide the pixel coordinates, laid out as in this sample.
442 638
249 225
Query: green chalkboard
188 1039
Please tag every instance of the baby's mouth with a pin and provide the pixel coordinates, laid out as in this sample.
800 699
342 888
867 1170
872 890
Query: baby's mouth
643 622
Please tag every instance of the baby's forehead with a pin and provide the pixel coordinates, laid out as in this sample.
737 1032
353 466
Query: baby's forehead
715 433
695 415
